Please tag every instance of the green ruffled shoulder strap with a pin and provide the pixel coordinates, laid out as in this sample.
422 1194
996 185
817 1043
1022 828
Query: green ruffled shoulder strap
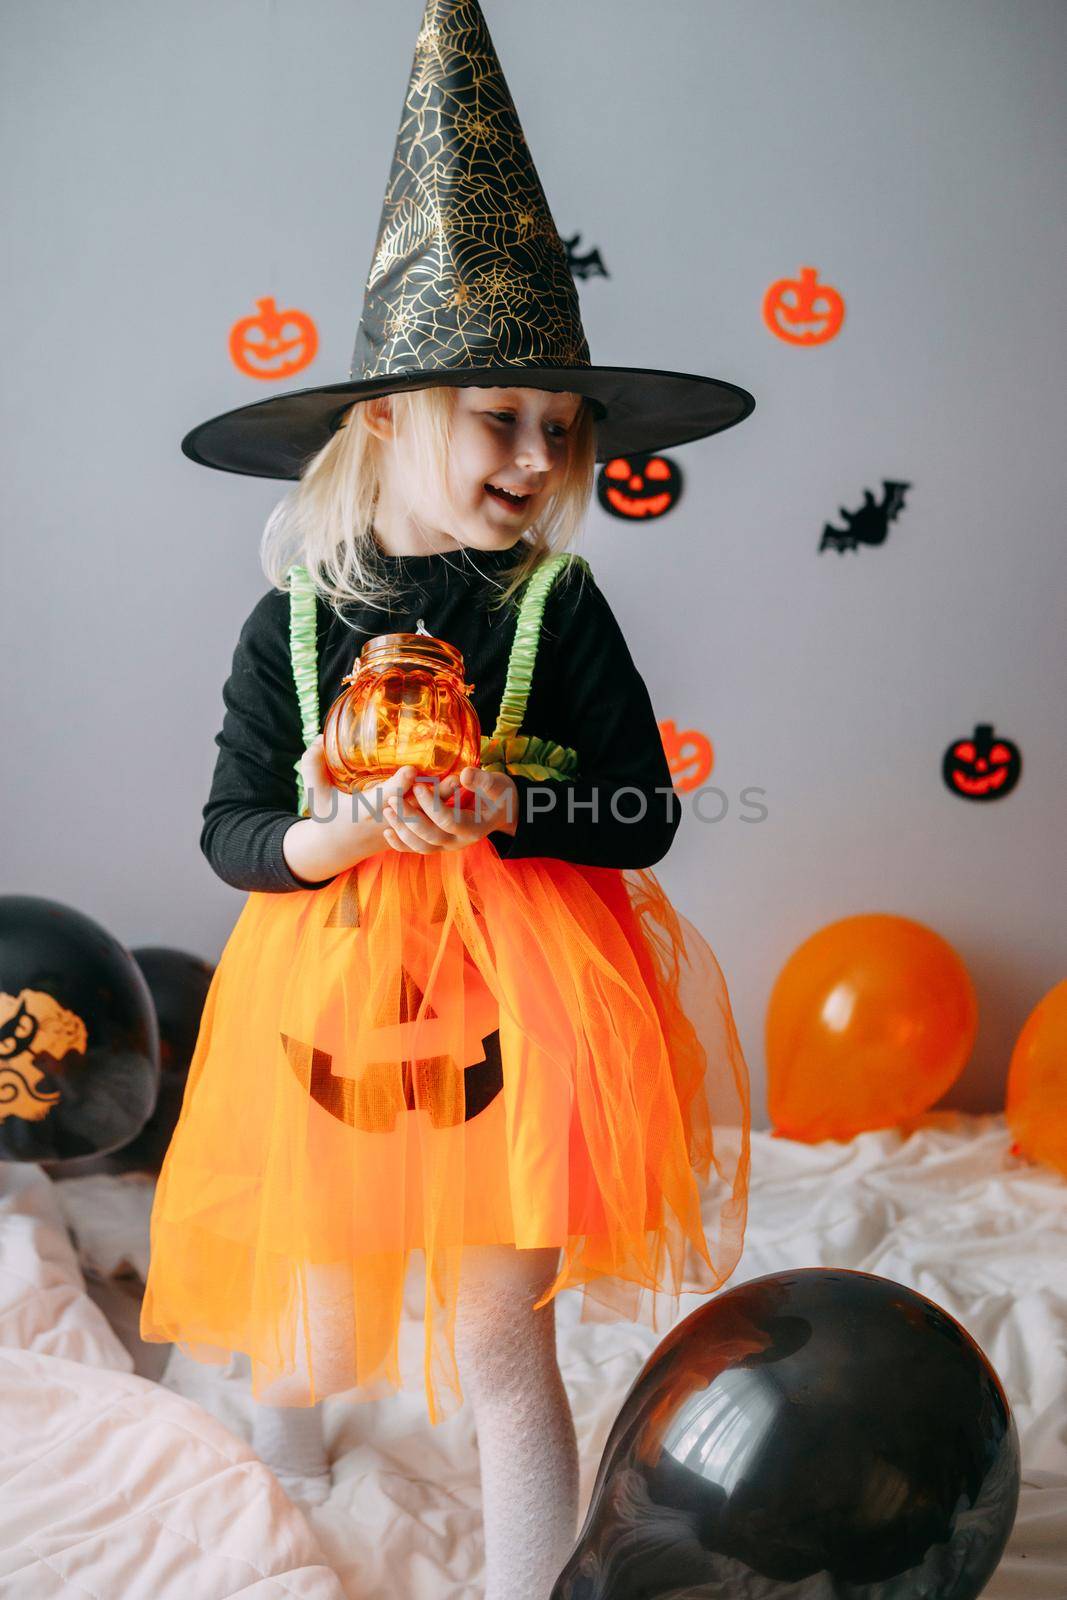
506 749
303 653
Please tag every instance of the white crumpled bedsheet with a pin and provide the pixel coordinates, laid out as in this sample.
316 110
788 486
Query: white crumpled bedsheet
946 1210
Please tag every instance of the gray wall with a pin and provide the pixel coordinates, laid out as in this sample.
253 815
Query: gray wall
166 164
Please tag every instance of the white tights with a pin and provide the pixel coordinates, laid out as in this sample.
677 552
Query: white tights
290 1440
506 1354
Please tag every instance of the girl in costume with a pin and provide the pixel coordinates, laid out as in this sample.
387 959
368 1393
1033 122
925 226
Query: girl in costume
451 1060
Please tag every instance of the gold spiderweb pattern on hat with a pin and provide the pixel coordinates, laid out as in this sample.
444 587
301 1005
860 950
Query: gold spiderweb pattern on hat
469 269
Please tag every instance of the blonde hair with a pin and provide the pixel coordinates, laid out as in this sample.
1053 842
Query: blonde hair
325 521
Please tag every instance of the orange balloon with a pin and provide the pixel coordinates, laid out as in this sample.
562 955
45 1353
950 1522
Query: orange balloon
869 1022
1036 1102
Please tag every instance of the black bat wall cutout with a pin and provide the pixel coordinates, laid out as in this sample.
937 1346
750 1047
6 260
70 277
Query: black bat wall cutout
588 266
868 525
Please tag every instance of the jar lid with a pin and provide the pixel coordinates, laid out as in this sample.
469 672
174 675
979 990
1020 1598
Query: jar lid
420 649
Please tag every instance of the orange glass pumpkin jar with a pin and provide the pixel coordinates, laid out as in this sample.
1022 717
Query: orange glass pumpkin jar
406 704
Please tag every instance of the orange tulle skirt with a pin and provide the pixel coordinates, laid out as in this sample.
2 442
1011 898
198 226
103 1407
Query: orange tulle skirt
437 1051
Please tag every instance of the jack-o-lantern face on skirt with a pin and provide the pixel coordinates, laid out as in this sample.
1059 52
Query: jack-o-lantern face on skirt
636 487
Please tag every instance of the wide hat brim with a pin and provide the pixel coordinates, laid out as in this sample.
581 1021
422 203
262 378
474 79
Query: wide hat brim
639 409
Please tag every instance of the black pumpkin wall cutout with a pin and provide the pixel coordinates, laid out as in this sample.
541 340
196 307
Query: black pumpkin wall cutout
637 487
982 767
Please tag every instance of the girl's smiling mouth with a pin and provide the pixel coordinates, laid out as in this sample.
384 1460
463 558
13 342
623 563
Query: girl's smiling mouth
505 498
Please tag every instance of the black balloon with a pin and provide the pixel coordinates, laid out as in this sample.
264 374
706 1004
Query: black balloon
79 1045
179 983
809 1435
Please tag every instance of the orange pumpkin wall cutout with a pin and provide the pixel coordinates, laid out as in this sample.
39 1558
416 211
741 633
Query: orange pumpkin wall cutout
273 344
638 487
689 753
803 310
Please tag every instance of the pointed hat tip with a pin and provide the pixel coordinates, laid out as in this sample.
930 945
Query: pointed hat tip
468 266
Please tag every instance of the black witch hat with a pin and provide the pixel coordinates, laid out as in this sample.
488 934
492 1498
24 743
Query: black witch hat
469 284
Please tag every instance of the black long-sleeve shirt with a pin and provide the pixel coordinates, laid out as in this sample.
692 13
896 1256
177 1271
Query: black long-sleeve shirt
586 692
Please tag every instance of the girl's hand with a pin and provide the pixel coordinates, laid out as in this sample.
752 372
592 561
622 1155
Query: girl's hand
422 822
316 776
372 800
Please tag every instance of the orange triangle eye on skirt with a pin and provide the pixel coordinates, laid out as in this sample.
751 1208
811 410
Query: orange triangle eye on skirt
431 1052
